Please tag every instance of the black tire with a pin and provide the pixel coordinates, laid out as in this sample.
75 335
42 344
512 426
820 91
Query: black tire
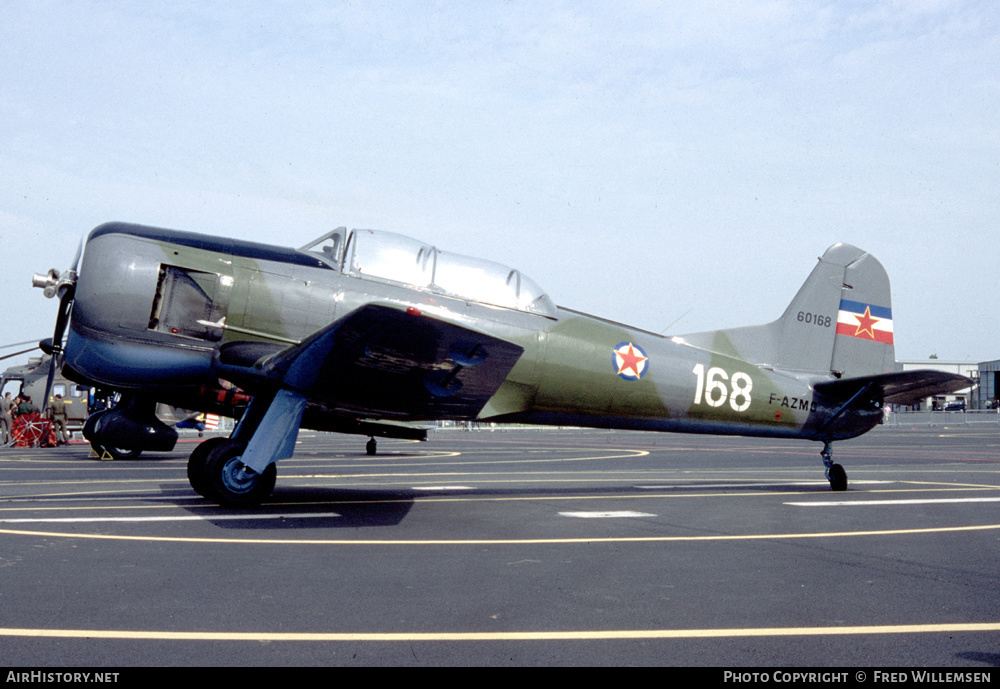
119 453
196 465
230 483
90 425
371 447
838 478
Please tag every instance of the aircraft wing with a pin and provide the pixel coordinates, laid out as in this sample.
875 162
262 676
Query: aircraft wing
904 387
384 362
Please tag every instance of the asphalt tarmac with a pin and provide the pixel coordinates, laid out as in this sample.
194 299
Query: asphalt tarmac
536 547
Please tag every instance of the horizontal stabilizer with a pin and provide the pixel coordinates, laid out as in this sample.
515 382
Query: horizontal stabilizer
904 387
376 428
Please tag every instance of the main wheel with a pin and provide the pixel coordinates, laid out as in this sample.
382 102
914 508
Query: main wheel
232 483
196 465
838 478
90 425
121 453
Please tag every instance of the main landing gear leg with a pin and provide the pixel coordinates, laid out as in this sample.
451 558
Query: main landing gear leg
835 473
216 471
225 469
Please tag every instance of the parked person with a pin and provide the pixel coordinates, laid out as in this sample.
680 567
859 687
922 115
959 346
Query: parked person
6 418
25 406
57 412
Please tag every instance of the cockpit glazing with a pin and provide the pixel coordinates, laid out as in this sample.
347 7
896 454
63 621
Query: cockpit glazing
397 258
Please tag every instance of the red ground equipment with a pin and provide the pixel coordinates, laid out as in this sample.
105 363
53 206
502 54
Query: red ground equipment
31 430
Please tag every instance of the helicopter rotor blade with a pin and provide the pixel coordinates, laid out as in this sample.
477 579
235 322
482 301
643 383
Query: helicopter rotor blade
18 344
23 351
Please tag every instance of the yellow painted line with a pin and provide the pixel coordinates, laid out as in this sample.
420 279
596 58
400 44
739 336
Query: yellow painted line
957 486
891 503
56 502
507 541
554 635
382 460
255 516
88 481
162 463
386 461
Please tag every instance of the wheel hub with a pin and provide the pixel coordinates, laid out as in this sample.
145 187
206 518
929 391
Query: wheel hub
237 477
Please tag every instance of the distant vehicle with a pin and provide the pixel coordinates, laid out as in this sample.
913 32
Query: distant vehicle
957 405
85 403
31 379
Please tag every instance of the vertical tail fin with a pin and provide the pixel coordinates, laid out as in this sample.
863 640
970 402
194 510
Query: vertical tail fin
840 320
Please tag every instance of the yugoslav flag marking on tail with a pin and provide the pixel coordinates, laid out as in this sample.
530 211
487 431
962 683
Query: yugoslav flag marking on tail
866 321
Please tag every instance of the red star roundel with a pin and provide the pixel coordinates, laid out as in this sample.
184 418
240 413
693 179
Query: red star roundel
629 360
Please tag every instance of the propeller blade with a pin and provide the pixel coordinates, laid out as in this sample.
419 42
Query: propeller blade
63 284
76 258
65 307
48 382
62 319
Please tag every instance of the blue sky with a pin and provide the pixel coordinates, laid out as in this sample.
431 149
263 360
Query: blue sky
675 166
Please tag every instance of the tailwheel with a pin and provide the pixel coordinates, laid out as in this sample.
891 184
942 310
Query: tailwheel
228 481
838 478
835 473
371 447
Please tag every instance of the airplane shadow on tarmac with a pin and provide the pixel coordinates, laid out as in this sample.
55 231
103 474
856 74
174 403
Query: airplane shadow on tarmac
991 659
353 508
357 508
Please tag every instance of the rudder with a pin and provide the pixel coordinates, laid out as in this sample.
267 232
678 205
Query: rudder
864 344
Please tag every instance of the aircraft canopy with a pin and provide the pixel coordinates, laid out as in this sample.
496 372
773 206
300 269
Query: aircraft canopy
397 258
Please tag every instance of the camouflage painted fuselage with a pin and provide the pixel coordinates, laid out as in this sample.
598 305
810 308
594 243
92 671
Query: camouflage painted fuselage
156 312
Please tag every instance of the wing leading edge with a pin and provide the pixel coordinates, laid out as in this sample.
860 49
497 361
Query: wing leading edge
383 362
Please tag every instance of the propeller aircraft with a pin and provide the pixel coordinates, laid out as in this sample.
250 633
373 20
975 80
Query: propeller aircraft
367 332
